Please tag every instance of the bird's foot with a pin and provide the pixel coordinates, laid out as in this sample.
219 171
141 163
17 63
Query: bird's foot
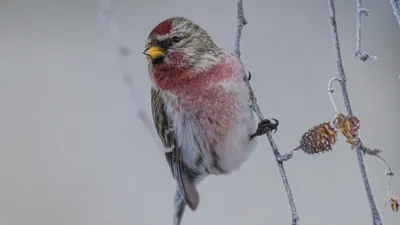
265 126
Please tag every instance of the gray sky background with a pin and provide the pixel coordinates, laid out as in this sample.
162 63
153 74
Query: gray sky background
73 152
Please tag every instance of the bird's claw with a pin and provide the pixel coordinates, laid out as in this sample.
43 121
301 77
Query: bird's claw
265 126
249 77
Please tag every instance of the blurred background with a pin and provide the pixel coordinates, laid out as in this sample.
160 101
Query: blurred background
73 151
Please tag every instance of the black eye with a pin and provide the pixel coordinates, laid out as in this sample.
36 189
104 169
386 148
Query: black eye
176 39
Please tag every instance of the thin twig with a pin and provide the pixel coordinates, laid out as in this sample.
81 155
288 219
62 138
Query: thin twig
330 92
389 173
388 193
241 21
363 56
396 9
339 65
375 152
123 53
288 155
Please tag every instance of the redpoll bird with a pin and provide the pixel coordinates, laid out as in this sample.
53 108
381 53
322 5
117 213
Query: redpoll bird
200 106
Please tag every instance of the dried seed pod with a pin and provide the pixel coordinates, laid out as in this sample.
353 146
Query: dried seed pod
349 126
394 203
318 139
353 143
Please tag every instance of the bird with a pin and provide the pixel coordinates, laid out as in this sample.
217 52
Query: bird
201 107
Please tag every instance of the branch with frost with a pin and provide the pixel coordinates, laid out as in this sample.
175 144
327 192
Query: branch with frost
123 52
241 21
363 56
322 137
330 92
396 9
342 81
392 199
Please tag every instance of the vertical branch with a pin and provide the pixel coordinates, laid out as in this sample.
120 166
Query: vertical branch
336 48
396 9
363 56
241 21
123 53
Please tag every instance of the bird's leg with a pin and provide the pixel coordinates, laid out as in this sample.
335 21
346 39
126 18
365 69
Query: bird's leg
265 126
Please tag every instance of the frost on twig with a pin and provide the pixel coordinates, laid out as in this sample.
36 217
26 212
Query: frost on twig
396 9
288 155
331 90
241 21
359 152
123 52
349 126
363 56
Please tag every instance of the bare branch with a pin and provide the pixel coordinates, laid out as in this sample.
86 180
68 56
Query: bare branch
375 152
363 56
339 65
396 9
241 21
123 53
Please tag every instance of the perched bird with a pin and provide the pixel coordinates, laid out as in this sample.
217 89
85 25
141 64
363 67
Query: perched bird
200 106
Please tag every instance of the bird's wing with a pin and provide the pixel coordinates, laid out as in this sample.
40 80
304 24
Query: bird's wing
165 131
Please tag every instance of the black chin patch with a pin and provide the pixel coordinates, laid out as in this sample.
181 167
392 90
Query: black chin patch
158 60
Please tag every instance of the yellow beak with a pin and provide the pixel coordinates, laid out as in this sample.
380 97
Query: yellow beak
154 52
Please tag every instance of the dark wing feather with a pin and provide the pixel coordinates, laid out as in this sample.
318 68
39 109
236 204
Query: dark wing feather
163 126
165 131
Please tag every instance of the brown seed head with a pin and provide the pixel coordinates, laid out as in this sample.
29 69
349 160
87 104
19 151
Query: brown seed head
349 126
394 203
318 139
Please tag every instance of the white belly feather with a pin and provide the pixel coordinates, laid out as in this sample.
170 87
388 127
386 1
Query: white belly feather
237 146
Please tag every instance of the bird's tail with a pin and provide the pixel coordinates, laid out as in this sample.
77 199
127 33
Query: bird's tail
179 208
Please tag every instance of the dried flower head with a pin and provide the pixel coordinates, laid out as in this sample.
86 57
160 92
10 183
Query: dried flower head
394 203
318 139
349 126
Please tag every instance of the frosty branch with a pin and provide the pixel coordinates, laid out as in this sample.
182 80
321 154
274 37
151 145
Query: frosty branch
363 56
241 21
355 141
321 138
396 9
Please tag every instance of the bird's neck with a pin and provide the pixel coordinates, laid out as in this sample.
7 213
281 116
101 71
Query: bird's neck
170 78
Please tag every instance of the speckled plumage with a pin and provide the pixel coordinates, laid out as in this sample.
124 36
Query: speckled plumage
200 107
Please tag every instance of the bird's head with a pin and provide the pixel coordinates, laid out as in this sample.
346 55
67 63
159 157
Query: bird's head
178 44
